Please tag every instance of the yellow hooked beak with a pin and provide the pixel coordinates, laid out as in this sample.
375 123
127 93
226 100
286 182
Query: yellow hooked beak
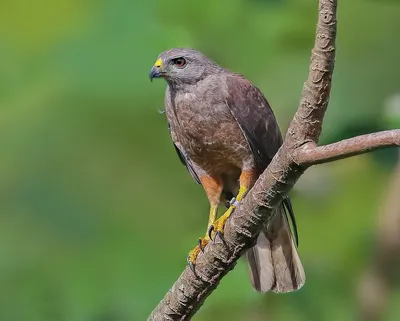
156 71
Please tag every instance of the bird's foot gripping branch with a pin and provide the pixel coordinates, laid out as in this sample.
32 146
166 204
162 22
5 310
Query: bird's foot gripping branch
261 211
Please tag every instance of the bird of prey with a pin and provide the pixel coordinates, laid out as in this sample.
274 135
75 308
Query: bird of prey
226 134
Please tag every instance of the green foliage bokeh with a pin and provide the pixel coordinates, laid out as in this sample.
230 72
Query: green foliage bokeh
96 212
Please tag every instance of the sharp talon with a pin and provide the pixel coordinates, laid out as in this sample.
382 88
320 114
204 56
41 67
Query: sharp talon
220 235
210 230
200 245
191 265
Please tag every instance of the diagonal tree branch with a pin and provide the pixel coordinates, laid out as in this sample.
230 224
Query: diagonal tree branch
190 290
295 155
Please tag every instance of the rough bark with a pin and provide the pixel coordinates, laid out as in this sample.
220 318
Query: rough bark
296 154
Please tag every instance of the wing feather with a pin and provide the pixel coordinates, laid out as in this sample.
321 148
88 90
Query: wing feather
257 121
255 118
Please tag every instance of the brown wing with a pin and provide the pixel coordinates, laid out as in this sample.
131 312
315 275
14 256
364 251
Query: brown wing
258 124
255 118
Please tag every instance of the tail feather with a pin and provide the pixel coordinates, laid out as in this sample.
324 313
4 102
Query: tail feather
274 262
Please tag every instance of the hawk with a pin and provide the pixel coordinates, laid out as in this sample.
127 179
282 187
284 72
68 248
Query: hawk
226 134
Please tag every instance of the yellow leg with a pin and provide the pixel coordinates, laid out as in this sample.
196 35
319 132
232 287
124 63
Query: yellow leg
246 180
218 226
203 241
213 215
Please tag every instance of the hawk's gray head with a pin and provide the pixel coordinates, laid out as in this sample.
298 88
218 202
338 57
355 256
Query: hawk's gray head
180 66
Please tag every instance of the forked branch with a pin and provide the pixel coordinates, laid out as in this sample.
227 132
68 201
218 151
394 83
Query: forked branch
297 153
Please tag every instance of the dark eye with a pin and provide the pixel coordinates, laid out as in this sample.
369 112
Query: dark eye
180 62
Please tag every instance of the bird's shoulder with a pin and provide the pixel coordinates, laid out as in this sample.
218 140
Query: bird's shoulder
242 91
255 117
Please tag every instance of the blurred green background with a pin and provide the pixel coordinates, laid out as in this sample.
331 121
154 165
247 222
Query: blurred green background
97 214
